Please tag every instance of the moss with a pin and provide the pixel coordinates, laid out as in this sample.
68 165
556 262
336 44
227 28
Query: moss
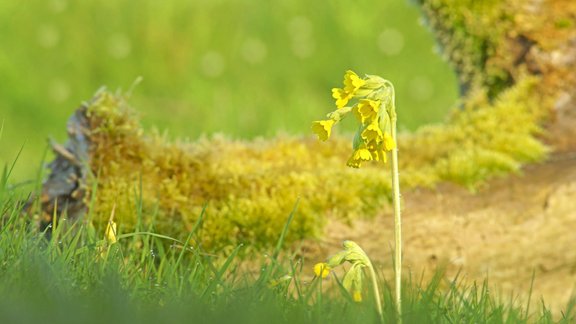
483 139
249 188
469 33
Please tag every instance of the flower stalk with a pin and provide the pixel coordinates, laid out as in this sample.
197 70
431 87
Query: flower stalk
397 222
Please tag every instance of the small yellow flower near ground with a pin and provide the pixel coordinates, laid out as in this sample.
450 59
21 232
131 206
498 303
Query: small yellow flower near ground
323 128
322 270
110 233
353 280
357 296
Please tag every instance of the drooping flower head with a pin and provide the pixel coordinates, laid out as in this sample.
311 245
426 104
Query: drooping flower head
373 110
353 280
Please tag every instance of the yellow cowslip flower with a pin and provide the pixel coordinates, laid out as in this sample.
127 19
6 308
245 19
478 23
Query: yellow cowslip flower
323 128
110 233
352 82
357 296
353 280
373 109
358 156
377 150
322 270
372 132
342 97
367 110
389 143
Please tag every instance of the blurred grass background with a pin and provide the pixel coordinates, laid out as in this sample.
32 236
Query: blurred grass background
244 68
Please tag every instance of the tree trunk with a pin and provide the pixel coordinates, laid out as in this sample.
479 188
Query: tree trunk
492 44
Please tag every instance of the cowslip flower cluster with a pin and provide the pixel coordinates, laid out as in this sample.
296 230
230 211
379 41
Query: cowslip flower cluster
373 108
353 280
110 232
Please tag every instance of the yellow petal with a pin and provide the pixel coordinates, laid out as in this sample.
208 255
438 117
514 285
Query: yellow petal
342 97
352 82
357 296
363 154
372 133
389 143
322 270
323 128
368 110
360 155
381 156
110 232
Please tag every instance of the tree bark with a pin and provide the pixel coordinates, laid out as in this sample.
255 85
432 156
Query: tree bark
492 44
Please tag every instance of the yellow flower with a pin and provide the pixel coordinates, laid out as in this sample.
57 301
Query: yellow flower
377 151
323 128
389 143
342 97
322 270
352 82
375 103
110 232
372 133
359 155
357 296
367 110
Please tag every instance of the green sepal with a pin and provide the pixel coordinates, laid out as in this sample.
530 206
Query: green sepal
384 121
357 141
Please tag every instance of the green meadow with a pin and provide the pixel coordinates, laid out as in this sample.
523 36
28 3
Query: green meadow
144 277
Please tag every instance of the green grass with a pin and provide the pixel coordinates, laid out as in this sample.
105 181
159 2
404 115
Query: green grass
148 278
240 67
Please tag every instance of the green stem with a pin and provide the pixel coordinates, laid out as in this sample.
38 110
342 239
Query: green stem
376 292
397 221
